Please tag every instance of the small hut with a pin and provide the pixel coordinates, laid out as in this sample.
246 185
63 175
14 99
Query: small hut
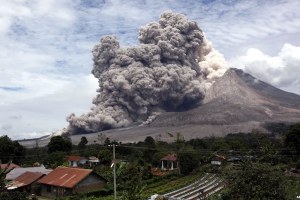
169 162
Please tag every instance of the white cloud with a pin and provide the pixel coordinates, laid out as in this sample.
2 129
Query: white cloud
36 81
46 112
282 70
10 10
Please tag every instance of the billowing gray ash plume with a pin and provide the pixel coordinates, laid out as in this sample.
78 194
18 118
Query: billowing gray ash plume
169 71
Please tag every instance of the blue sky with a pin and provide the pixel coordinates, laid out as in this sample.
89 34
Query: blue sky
46 59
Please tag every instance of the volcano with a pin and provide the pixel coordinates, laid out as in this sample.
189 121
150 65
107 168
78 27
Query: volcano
236 102
175 81
235 98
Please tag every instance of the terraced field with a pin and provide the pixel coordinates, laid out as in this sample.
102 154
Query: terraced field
201 189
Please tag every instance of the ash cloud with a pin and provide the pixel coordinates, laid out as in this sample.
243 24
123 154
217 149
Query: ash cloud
169 71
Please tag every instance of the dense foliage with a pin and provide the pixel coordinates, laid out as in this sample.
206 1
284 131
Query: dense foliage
59 143
292 140
11 150
255 181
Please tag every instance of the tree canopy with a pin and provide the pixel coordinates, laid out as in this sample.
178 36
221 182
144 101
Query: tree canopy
83 142
149 141
10 150
58 143
255 181
292 140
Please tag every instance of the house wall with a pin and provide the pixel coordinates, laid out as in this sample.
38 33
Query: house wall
83 161
166 164
73 163
92 182
36 188
54 191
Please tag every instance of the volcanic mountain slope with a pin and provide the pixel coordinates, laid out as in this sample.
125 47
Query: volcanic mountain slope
236 102
238 97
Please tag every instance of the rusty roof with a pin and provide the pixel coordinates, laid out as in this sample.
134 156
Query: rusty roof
11 166
74 158
170 157
25 179
65 176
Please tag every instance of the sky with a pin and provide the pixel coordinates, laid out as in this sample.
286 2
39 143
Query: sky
46 59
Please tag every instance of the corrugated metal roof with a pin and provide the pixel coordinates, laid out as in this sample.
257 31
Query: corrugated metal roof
19 171
65 176
25 179
75 158
170 157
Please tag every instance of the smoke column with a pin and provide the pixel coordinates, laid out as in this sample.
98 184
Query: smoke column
169 71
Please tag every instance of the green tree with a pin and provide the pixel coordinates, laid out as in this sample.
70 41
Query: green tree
188 162
150 149
19 152
292 140
105 156
220 145
149 141
82 143
179 144
197 143
268 153
107 141
58 143
10 150
255 181
179 141
6 148
130 178
55 159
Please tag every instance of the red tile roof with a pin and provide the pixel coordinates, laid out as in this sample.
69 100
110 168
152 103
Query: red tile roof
25 179
65 176
74 158
11 166
170 157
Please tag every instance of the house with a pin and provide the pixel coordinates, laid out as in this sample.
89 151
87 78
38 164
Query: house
169 162
13 174
93 161
26 182
76 161
218 160
64 181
